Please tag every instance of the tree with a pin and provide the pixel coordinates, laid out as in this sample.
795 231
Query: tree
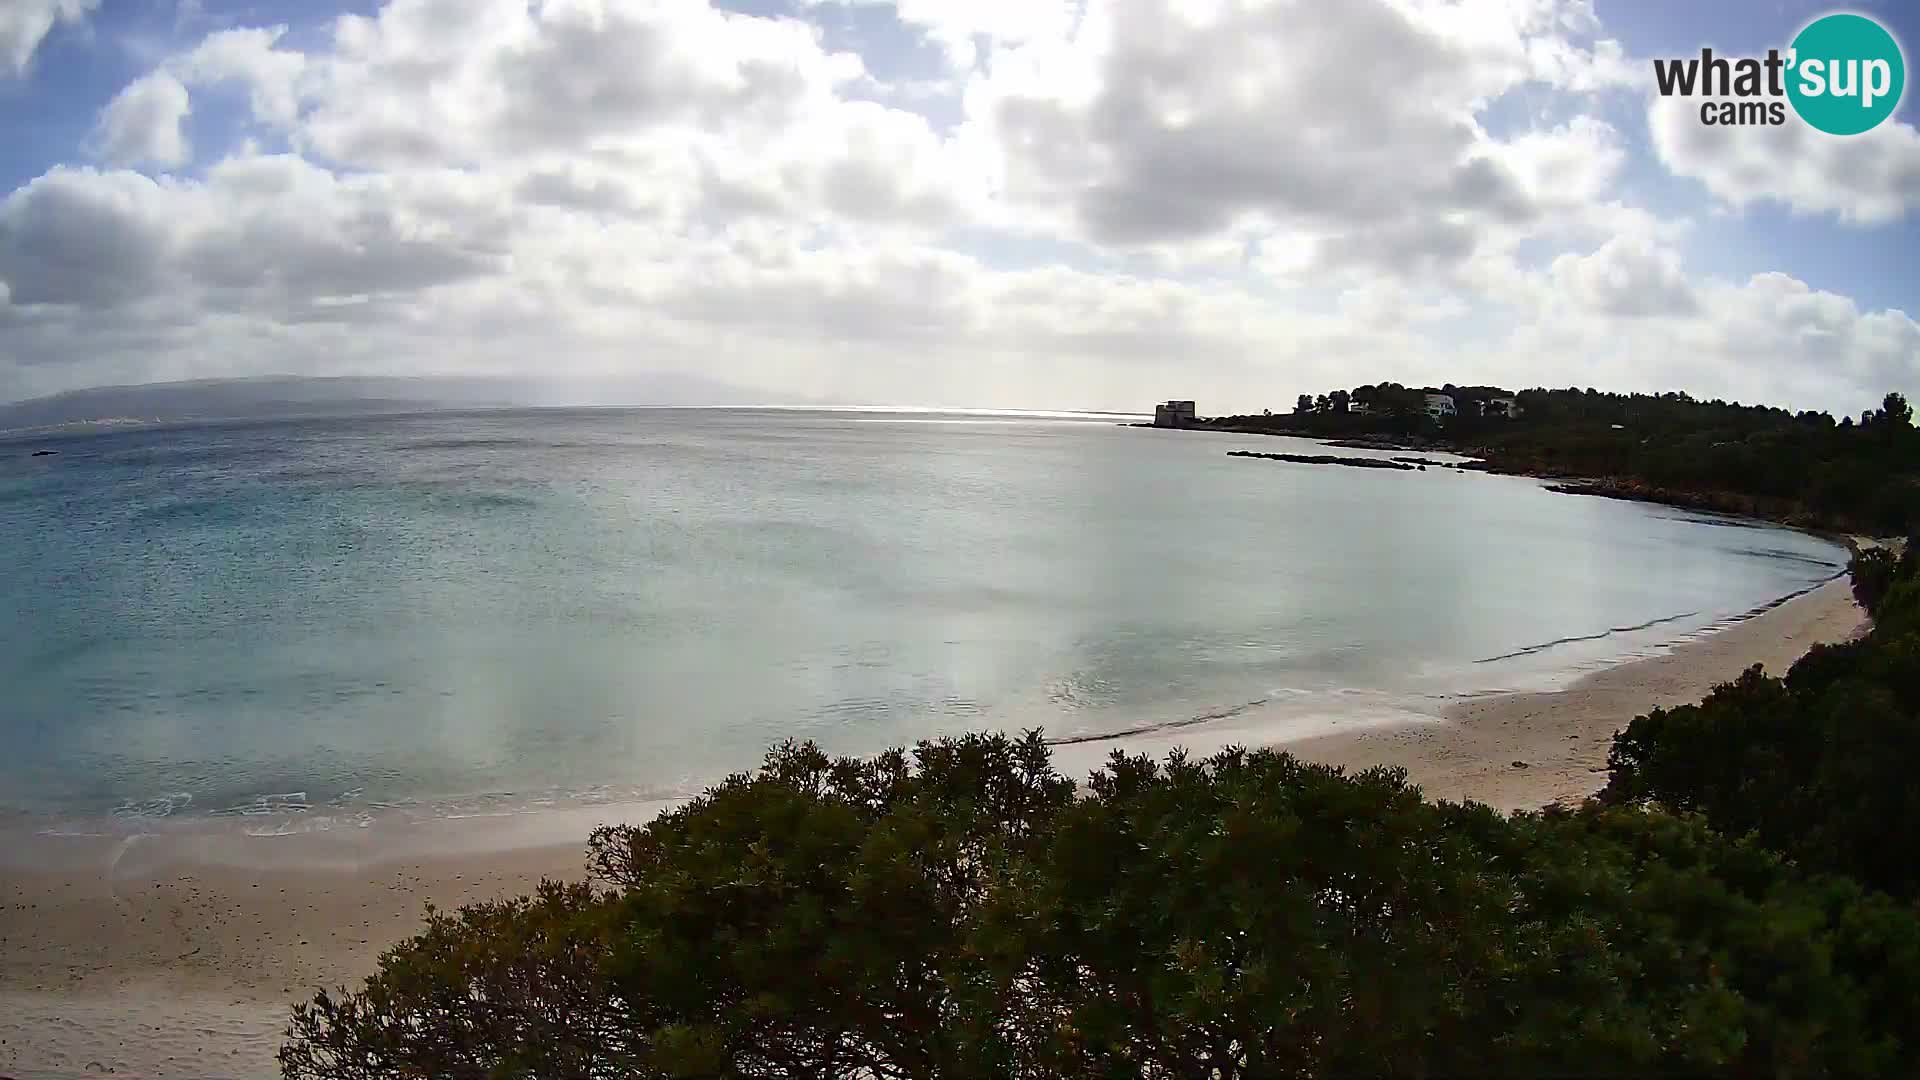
1818 765
1337 401
1874 571
812 919
1803 469
1897 412
959 912
1304 404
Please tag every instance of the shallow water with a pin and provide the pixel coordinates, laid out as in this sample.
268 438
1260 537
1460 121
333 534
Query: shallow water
329 618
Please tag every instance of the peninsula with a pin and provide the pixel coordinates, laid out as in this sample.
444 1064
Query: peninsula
1808 469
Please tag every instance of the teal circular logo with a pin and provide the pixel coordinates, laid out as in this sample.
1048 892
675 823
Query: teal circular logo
1845 74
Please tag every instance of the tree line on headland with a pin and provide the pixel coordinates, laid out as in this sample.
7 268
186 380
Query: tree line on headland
1851 474
1739 902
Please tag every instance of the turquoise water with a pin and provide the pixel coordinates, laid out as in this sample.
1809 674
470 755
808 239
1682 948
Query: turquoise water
545 605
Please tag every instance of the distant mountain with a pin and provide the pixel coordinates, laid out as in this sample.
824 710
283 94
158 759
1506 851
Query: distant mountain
287 396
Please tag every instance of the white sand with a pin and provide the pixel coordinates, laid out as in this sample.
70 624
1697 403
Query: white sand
1563 736
179 956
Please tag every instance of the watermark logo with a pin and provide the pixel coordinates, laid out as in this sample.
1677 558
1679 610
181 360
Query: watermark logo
1851 74
1843 74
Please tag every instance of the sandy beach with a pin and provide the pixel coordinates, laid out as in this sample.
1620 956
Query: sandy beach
178 955
1561 737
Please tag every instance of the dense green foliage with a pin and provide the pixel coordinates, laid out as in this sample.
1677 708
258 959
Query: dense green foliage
964 911
1819 764
1803 467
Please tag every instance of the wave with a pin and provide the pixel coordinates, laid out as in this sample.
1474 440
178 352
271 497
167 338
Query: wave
1545 645
1750 613
1162 726
159 806
292 802
1789 556
1794 595
297 826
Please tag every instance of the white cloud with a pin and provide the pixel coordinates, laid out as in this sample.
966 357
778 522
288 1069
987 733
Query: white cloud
1627 277
24 24
1628 315
141 125
1351 131
1572 165
1867 179
1228 196
276 232
458 82
248 56
958 27
83 238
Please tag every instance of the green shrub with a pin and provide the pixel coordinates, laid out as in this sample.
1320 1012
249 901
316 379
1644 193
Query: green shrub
1872 570
1819 765
959 912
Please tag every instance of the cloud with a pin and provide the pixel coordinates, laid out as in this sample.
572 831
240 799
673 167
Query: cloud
24 24
1626 317
141 125
1568 166
1245 200
83 238
1867 179
637 95
248 56
274 234
452 81
959 28
1627 277
1352 125
571 186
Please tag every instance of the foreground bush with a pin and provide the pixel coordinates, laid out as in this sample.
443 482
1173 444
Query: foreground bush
1821 764
963 911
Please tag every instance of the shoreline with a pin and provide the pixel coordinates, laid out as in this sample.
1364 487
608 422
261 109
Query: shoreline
180 954
1562 736
1623 489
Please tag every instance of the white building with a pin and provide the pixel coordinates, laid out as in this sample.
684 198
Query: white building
1173 414
1439 405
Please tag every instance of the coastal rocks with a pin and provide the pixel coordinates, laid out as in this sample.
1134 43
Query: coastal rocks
1382 443
1327 459
1713 502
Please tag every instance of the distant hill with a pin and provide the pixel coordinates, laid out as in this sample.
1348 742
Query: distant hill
287 396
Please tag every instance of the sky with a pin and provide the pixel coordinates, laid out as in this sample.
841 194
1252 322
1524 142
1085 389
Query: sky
997 203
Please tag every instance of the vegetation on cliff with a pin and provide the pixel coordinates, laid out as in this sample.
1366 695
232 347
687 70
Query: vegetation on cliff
1806 468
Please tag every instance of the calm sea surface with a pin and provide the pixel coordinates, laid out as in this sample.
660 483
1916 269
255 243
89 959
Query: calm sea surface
335 615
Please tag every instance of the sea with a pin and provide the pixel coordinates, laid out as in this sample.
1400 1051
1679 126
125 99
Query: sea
309 624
